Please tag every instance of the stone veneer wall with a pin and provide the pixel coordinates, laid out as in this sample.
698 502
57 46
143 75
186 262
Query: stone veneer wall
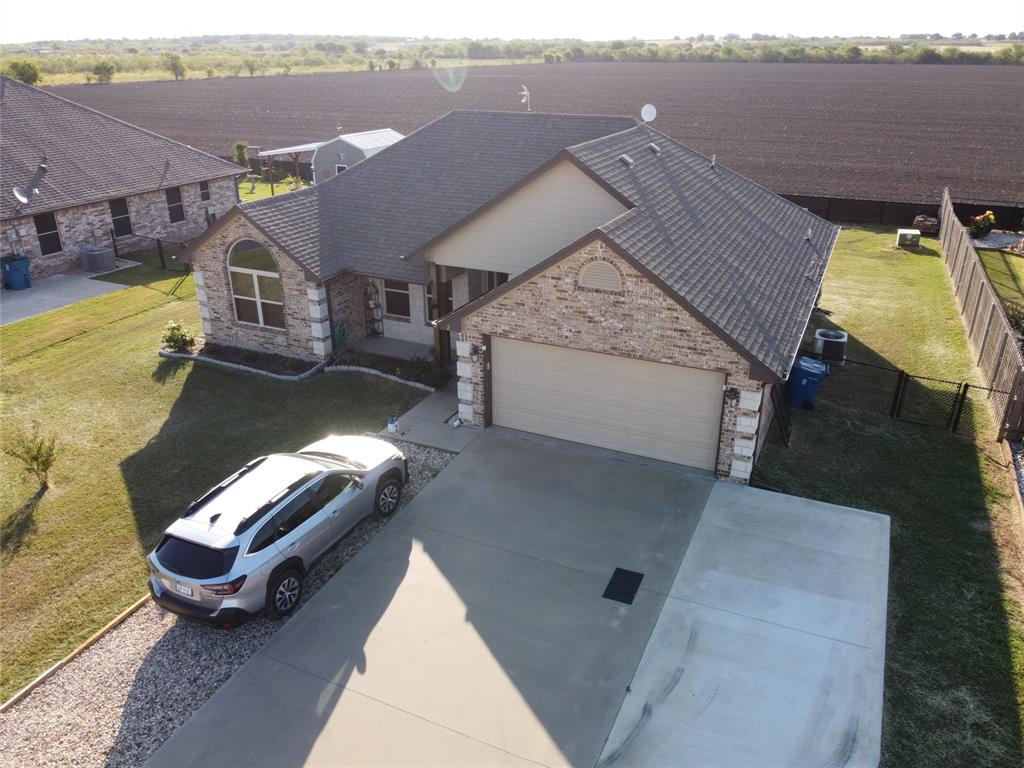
90 224
306 334
641 322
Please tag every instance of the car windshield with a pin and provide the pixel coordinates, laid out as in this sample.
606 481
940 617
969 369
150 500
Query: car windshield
186 558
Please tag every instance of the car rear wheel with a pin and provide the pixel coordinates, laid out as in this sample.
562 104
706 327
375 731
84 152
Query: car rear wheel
389 494
284 593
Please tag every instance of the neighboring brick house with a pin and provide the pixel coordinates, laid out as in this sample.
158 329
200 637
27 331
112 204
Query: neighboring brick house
104 179
598 281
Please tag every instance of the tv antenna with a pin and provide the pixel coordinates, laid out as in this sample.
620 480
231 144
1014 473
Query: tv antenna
525 93
648 113
26 193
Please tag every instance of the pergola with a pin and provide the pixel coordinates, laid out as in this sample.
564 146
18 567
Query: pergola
295 152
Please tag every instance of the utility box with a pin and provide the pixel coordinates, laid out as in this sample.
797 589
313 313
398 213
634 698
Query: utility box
908 238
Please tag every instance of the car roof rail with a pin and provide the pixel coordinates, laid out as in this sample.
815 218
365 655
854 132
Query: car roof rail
248 522
197 504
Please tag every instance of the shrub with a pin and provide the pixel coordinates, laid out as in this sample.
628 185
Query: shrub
240 153
982 224
36 451
104 71
24 70
177 337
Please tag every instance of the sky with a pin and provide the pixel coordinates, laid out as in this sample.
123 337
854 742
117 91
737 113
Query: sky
586 19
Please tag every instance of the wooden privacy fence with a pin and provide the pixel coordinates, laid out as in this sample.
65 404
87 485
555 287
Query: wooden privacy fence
995 346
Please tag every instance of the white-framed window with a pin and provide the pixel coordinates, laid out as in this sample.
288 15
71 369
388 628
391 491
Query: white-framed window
255 285
396 299
340 168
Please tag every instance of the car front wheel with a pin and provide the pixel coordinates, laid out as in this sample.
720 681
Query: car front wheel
389 494
283 593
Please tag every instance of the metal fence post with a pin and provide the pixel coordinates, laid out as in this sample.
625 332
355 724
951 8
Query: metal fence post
897 395
958 406
160 250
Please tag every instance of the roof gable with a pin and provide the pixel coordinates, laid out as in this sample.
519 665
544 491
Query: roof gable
90 156
742 257
371 218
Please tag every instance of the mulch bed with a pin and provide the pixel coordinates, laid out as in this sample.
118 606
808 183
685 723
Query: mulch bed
279 364
419 371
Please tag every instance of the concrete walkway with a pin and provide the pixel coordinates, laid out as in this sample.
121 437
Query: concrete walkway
53 292
427 422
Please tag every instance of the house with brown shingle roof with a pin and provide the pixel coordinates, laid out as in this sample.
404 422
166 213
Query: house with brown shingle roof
594 279
85 178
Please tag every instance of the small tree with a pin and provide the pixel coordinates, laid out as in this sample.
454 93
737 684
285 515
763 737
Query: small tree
36 451
251 65
174 64
24 70
240 153
104 71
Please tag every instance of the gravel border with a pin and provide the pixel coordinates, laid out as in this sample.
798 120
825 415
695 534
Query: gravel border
118 701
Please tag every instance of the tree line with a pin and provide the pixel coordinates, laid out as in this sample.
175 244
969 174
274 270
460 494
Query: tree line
216 60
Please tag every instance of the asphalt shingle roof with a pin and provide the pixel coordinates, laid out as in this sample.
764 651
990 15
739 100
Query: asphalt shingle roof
367 219
734 251
91 156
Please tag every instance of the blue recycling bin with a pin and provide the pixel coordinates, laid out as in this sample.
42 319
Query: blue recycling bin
804 379
16 276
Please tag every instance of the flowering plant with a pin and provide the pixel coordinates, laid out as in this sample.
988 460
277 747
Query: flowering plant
982 224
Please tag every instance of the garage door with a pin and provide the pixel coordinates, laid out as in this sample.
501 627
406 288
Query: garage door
663 411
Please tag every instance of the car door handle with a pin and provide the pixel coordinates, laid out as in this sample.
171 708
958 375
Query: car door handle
291 547
334 513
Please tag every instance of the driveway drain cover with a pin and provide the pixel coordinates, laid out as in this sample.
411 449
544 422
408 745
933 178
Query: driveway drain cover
623 586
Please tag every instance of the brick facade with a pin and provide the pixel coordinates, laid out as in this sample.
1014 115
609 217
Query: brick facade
90 224
348 304
306 334
641 322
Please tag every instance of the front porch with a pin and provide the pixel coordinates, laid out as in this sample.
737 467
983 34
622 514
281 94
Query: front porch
396 348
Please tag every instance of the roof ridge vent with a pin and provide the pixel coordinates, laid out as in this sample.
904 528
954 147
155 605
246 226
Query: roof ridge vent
626 159
654 148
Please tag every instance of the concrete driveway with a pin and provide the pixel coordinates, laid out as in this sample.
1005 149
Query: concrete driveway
474 629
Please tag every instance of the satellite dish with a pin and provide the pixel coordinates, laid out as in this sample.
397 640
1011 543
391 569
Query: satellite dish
648 113
30 190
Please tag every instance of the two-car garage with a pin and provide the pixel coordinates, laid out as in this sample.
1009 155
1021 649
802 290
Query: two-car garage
667 412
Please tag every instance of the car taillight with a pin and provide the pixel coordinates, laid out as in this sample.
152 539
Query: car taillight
228 588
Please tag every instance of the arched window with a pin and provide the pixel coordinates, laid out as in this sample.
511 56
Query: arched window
601 276
255 285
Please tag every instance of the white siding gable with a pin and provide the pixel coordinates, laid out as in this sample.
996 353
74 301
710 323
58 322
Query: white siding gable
534 222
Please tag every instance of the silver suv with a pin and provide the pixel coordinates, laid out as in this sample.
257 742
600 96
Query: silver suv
248 543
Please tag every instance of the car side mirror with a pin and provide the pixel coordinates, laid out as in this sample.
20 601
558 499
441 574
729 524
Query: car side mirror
359 483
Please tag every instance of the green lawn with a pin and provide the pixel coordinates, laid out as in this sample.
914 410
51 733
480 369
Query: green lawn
954 684
1006 272
141 436
262 190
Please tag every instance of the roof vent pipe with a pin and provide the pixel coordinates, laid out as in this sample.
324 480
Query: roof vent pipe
654 148
626 159
712 161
